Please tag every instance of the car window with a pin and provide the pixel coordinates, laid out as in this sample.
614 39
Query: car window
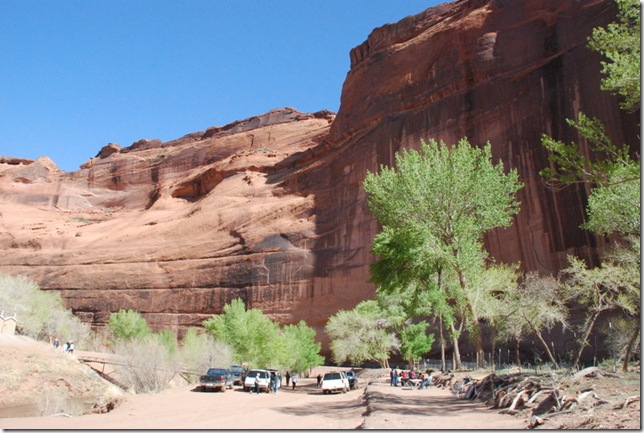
331 376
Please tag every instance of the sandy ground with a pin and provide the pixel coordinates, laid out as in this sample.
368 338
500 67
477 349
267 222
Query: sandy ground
377 406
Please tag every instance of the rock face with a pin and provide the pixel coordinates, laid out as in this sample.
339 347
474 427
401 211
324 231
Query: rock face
175 230
271 208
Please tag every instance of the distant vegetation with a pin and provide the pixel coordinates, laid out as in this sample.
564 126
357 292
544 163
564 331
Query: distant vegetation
152 358
40 314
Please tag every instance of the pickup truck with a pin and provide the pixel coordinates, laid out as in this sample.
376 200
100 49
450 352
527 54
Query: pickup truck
216 378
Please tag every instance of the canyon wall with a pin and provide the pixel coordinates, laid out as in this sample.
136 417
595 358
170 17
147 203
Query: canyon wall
499 71
271 209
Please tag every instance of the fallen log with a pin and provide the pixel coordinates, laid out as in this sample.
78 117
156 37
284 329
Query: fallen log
593 372
628 401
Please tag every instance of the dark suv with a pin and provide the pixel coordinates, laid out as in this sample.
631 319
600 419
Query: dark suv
353 379
239 374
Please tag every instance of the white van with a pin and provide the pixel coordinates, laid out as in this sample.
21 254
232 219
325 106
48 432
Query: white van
264 380
335 381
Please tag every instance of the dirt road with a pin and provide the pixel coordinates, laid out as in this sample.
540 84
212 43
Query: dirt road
381 407
186 408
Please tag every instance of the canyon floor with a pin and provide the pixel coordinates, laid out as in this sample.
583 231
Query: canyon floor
374 405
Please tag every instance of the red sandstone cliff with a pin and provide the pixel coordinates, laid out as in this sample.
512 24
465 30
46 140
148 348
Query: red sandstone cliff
271 208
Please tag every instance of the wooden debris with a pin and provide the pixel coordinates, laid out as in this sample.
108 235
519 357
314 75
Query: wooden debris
628 401
515 392
593 372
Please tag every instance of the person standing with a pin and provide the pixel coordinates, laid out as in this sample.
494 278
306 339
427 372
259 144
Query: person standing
256 383
56 343
288 377
274 382
392 376
319 378
294 380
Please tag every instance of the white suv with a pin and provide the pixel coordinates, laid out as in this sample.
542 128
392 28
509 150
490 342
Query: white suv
264 380
336 381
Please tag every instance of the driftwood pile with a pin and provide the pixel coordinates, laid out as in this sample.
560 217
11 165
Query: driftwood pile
512 392
442 380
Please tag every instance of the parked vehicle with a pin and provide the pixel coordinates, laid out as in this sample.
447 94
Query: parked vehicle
336 381
264 380
239 374
216 378
353 379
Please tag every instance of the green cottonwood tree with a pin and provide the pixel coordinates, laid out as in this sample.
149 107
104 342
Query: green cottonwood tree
301 350
362 334
434 206
128 325
254 338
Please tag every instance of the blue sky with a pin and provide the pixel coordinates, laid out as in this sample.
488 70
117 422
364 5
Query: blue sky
78 74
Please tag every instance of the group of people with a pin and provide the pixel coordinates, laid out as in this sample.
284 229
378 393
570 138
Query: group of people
68 347
411 378
276 381
292 378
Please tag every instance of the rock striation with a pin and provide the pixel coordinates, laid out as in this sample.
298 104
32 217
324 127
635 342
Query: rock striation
271 209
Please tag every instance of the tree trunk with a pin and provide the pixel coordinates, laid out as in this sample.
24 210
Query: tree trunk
629 348
478 345
583 342
442 338
457 352
517 354
476 325
494 365
548 352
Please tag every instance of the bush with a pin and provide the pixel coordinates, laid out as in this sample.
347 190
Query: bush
149 365
40 314
200 351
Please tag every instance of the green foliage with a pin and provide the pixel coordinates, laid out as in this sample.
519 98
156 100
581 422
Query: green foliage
604 287
455 195
415 341
254 338
40 314
616 207
128 325
613 285
496 285
258 341
434 207
569 165
301 350
361 334
168 340
619 42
